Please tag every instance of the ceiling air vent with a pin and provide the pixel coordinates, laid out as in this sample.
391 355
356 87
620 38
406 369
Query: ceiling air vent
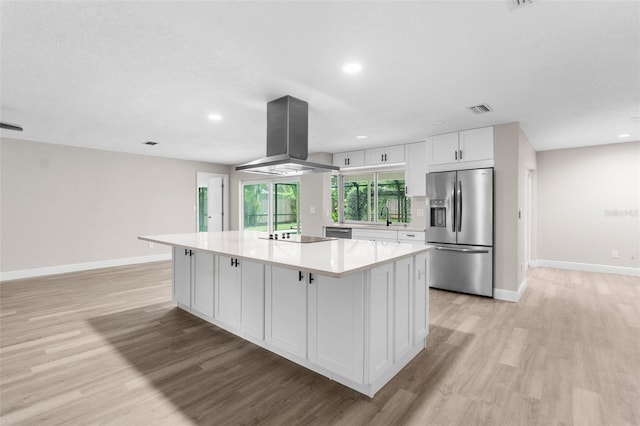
150 143
480 109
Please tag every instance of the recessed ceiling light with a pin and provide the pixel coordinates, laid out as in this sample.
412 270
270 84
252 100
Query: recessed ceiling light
361 137
215 117
438 123
624 135
352 68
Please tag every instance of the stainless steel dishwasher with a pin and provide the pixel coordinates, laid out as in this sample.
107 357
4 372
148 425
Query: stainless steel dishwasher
337 232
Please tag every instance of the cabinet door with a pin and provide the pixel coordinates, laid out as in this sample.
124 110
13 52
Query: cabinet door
476 144
374 156
380 320
416 169
228 295
340 159
286 301
182 276
394 154
444 148
402 307
420 300
252 298
356 159
203 281
336 324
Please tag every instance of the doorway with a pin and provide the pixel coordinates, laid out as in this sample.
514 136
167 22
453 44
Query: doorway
213 199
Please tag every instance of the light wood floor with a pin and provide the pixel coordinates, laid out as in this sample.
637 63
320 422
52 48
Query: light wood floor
109 347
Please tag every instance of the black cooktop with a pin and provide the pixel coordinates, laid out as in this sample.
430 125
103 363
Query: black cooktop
294 238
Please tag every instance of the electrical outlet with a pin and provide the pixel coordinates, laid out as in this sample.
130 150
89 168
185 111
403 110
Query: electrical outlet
312 210
614 254
151 245
419 212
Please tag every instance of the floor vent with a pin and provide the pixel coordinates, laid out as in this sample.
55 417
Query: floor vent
480 109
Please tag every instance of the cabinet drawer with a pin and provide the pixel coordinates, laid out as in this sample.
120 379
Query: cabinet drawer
374 234
417 237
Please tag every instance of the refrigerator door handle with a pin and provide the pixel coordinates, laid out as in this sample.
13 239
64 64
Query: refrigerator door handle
459 206
453 209
462 250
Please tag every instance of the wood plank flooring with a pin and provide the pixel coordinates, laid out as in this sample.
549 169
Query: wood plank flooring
108 347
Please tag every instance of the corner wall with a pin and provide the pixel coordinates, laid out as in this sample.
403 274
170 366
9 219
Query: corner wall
588 205
63 205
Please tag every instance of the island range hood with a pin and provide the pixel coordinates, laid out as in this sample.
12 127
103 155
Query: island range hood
287 141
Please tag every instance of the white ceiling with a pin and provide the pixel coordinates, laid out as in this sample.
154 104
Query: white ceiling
111 75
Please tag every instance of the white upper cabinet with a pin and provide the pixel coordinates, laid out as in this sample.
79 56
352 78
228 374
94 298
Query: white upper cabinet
465 149
349 159
476 144
444 148
416 168
386 155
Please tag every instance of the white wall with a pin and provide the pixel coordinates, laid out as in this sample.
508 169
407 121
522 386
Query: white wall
63 205
588 201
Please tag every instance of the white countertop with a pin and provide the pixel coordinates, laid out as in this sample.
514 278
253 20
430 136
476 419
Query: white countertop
333 258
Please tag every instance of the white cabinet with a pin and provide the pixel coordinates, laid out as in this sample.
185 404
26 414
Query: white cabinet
468 148
444 148
416 168
336 324
203 283
420 299
349 159
412 237
193 280
240 295
476 144
380 320
374 234
286 309
386 155
182 276
403 340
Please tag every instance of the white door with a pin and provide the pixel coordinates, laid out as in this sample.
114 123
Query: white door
252 298
215 205
182 276
228 295
336 324
402 307
287 310
202 300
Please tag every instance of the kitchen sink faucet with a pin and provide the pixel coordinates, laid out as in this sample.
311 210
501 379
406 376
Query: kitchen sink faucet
382 212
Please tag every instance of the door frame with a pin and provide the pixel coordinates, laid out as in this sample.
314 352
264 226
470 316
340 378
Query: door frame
271 183
202 180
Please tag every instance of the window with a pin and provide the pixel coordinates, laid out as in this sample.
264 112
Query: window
271 206
370 197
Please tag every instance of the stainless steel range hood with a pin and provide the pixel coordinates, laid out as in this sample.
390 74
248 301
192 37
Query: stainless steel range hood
287 141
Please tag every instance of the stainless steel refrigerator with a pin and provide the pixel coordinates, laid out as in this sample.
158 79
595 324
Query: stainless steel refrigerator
460 225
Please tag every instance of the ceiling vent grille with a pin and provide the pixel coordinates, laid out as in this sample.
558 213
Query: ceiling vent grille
150 143
480 109
518 3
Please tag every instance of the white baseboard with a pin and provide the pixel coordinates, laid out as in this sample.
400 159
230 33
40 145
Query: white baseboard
588 267
75 267
510 295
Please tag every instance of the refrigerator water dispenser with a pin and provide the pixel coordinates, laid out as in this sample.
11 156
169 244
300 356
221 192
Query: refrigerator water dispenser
438 213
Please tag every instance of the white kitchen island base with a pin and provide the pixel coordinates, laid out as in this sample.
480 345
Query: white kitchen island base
357 326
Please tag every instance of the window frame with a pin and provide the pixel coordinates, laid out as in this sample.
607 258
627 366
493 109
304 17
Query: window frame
376 172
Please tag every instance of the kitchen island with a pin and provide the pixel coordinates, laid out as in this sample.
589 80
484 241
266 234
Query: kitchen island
354 311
